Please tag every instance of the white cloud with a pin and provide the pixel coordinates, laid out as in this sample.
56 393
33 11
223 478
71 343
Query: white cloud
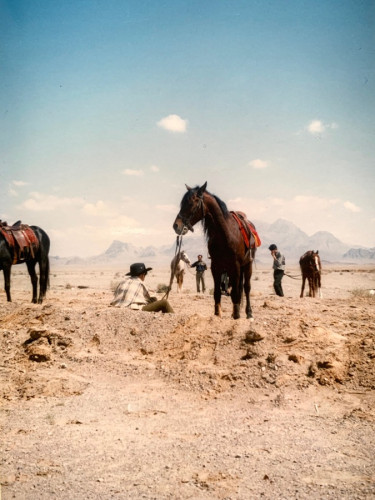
315 201
173 123
19 183
38 202
258 163
317 127
154 168
97 209
12 192
351 206
133 172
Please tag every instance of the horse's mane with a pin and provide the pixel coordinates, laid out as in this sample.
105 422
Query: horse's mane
221 203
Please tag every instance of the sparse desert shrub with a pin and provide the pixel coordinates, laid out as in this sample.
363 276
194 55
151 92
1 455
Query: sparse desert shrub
114 284
162 288
363 293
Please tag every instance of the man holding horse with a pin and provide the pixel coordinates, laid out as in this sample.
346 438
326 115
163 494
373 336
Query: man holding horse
278 269
201 268
133 293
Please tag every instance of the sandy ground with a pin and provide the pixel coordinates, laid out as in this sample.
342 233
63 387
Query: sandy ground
98 402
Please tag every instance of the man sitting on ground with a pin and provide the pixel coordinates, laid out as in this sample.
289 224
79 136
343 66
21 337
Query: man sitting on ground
133 293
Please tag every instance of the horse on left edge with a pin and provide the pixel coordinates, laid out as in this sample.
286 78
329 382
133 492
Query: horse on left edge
19 244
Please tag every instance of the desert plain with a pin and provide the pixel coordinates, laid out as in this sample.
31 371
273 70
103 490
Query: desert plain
100 402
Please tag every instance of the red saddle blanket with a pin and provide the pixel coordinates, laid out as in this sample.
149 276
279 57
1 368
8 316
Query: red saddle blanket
247 228
21 239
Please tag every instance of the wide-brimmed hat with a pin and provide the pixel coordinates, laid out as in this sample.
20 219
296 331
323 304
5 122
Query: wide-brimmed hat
137 269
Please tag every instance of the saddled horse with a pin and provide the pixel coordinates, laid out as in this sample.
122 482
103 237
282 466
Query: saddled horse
19 244
311 269
229 251
178 268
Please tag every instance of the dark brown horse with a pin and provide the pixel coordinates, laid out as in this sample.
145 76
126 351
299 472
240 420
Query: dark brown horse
311 269
226 245
12 253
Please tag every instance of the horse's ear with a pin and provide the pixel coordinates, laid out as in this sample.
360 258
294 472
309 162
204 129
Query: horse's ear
188 187
202 189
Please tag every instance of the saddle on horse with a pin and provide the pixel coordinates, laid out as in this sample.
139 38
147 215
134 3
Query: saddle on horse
21 239
248 231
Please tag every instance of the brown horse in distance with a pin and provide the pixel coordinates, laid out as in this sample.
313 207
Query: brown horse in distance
227 249
311 269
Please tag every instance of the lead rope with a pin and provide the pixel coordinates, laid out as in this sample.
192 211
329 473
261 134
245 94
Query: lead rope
178 249
297 277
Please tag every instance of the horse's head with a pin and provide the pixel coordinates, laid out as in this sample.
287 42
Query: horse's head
311 260
184 257
191 210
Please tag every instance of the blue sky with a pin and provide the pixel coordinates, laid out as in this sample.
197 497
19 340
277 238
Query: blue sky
109 107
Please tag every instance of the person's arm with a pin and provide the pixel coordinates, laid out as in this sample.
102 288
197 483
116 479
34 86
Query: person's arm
278 259
147 295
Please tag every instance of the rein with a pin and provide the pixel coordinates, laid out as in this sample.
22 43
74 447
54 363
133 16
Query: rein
297 277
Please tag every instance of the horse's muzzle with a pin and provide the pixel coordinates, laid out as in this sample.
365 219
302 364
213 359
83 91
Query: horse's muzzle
180 228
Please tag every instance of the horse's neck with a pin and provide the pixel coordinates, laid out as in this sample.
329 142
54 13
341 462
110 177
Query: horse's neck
215 220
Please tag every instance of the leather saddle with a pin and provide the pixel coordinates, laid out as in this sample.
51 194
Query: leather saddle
248 231
21 240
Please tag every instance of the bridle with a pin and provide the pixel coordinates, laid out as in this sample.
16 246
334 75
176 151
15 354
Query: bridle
186 221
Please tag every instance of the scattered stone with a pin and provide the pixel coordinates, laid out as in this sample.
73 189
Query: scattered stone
252 336
296 358
39 353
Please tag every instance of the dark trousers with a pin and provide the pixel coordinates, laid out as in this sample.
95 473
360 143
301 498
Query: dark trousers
199 277
277 277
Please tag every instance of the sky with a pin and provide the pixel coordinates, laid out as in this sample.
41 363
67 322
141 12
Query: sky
108 108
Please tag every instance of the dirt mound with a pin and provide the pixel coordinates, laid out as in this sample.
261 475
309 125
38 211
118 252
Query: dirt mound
289 344
99 401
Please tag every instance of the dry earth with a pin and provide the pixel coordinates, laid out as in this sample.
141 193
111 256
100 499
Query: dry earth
99 402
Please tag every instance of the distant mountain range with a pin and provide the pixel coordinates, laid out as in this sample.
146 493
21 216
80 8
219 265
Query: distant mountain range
290 239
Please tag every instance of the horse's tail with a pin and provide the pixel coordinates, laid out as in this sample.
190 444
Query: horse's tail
44 275
47 274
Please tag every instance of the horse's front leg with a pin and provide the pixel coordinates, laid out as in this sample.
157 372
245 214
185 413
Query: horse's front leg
236 297
247 289
311 287
303 286
217 294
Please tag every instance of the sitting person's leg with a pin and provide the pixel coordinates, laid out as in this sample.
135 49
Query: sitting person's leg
159 305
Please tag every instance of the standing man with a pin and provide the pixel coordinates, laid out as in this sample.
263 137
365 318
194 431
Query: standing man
133 293
278 269
201 268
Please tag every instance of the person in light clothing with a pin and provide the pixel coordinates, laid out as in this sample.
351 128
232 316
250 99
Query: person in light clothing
133 293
